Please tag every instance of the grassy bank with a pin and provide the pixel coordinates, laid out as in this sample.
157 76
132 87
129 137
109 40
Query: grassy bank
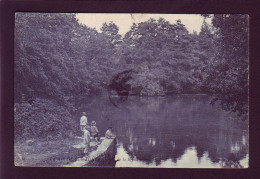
40 152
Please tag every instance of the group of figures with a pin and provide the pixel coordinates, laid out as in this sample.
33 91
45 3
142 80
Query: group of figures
92 131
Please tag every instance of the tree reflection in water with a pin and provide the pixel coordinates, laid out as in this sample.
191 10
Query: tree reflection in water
177 131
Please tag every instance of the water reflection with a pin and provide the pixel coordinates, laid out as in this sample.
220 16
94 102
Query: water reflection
189 159
174 131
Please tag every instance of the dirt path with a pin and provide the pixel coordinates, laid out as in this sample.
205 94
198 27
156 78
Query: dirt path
57 152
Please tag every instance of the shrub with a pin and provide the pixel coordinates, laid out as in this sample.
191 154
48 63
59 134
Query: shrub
42 118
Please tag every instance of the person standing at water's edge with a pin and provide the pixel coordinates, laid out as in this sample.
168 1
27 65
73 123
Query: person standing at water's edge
83 121
86 139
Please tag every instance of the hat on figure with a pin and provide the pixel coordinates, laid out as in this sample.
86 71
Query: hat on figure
93 123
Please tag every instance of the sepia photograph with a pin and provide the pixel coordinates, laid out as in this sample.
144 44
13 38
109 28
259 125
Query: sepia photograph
131 90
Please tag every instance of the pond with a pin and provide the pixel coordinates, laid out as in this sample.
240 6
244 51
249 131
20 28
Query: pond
178 131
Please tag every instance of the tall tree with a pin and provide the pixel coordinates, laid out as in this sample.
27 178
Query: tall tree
228 77
111 30
162 53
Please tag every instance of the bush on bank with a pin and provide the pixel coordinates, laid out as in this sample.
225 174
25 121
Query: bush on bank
42 118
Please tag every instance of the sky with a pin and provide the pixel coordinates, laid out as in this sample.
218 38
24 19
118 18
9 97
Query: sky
124 21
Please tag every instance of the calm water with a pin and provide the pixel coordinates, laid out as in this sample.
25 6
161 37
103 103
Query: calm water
173 131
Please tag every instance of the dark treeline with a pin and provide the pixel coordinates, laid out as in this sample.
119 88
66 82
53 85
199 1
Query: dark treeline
58 60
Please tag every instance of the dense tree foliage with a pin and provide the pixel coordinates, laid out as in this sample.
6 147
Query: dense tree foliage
228 70
58 60
166 56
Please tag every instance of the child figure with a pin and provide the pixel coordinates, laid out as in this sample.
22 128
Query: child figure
94 131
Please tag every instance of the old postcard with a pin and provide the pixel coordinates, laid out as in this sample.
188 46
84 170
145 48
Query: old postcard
131 90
